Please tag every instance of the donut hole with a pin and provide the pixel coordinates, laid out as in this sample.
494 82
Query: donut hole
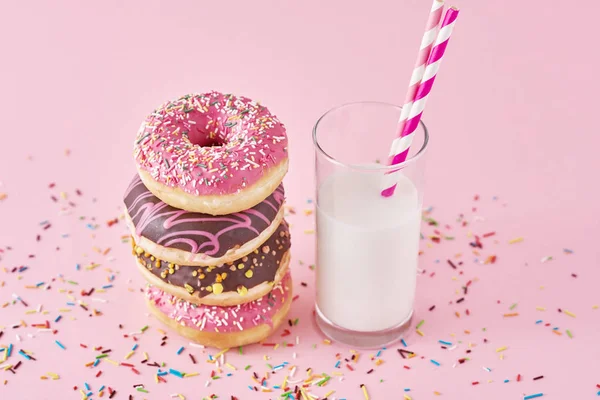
203 138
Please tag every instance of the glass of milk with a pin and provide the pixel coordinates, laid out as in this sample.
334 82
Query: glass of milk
367 244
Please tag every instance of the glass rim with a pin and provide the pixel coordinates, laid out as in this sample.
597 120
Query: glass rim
376 167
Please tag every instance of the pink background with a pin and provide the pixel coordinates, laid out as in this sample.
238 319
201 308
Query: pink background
513 115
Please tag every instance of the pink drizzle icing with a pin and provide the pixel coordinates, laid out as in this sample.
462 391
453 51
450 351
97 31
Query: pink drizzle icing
221 319
210 143
196 232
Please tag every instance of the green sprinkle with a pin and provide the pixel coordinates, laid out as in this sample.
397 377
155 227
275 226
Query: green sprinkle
420 324
187 110
296 321
216 377
569 334
141 389
240 350
449 237
247 367
312 267
144 328
323 381
513 306
269 366
73 282
101 356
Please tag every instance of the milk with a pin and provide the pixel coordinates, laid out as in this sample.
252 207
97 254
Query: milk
366 252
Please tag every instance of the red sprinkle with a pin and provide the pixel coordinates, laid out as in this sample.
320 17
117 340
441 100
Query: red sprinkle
489 234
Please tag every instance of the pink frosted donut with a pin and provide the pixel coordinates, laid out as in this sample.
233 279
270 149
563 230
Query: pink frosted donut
223 327
212 153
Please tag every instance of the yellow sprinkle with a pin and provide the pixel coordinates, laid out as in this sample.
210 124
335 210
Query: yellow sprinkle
187 375
594 307
285 382
326 341
437 393
219 354
420 333
304 397
502 356
569 313
516 240
129 354
217 288
276 346
9 366
111 361
309 231
329 393
541 308
64 309
145 355
364 389
407 397
379 361
53 375
30 311
182 397
500 349
230 366
156 378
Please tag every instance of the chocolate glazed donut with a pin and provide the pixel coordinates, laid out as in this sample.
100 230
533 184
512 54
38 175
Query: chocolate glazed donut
190 238
232 283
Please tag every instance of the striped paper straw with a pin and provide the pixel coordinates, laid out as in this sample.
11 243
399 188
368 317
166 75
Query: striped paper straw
431 29
423 90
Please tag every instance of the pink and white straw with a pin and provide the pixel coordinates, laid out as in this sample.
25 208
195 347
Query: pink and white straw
401 145
431 30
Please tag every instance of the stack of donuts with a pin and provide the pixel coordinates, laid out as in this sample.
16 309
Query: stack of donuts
205 213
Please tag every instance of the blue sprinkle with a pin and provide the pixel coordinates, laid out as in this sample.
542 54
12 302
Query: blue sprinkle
8 353
88 394
250 387
539 321
163 373
107 286
437 261
101 388
23 268
111 278
21 352
378 353
2 349
276 387
555 329
180 350
403 343
506 381
407 389
337 364
445 343
175 372
60 345
77 267
96 362
70 303
229 374
135 346
39 284
435 362
58 318
598 393
533 396
87 387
